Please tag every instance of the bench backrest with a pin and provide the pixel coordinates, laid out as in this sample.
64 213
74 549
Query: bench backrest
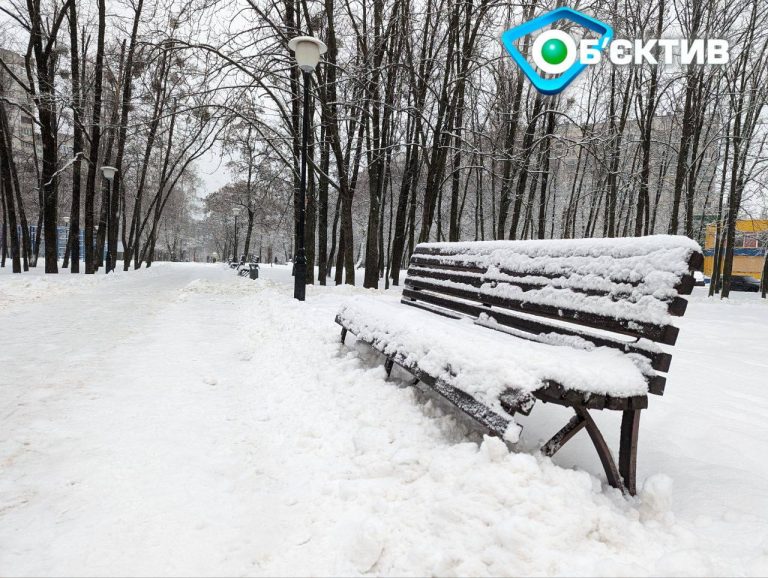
619 293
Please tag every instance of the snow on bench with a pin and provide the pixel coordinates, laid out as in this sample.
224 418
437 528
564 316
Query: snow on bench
583 321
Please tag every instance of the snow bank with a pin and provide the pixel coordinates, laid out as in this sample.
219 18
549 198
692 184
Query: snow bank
34 285
27 288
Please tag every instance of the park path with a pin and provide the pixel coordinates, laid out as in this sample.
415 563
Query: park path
183 421
104 396
171 422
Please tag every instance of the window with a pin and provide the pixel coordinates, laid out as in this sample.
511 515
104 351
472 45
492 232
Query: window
750 241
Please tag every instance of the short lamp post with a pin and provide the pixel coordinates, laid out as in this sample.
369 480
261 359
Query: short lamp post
236 212
307 51
67 240
109 174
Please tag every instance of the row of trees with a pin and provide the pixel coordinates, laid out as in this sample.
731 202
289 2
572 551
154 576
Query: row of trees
128 99
423 128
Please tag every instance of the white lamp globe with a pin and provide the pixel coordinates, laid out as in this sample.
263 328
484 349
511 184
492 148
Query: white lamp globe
307 51
108 172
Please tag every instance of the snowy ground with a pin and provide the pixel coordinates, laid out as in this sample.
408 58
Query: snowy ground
183 421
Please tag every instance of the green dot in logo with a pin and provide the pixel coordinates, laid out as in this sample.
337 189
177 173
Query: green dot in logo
554 51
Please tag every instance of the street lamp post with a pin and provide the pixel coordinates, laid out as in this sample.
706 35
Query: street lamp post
67 240
307 51
109 174
236 212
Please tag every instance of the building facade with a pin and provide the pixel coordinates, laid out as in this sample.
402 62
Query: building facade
749 249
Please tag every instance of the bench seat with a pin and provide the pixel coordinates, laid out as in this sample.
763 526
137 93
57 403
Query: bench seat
473 359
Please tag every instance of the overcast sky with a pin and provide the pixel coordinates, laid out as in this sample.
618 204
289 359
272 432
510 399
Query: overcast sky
212 171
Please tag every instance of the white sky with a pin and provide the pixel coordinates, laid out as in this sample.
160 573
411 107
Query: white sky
212 171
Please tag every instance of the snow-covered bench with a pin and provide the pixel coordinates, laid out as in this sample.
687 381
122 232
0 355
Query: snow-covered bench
583 321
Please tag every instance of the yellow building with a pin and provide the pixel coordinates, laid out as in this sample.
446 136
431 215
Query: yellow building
749 248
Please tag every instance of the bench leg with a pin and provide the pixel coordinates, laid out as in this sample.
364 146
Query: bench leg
343 334
562 437
388 365
630 428
603 451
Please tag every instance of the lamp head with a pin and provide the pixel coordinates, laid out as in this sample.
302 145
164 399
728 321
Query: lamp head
236 211
109 172
307 51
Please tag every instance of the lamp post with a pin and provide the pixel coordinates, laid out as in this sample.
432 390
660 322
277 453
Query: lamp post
109 174
236 212
307 51
67 239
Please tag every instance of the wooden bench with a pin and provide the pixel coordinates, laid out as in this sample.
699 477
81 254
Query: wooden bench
584 320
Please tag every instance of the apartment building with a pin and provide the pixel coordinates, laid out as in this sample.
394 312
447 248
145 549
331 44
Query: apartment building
20 108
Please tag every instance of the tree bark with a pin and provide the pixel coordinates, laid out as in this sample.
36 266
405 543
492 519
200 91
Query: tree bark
93 156
73 236
7 186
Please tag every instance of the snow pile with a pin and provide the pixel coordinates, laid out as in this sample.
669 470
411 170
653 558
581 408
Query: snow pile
236 286
26 288
635 276
484 363
34 285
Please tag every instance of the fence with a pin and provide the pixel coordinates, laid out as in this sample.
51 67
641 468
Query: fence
61 234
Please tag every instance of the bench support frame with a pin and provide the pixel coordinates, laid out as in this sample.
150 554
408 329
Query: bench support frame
630 430
622 475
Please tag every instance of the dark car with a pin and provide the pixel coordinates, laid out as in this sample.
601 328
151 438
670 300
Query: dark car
744 283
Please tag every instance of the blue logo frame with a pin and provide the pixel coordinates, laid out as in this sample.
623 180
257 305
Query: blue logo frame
554 85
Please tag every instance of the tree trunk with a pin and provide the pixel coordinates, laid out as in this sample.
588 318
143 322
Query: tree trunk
248 232
73 236
118 188
346 249
522 179
93 156
7 186
550 130
322 198
643 202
